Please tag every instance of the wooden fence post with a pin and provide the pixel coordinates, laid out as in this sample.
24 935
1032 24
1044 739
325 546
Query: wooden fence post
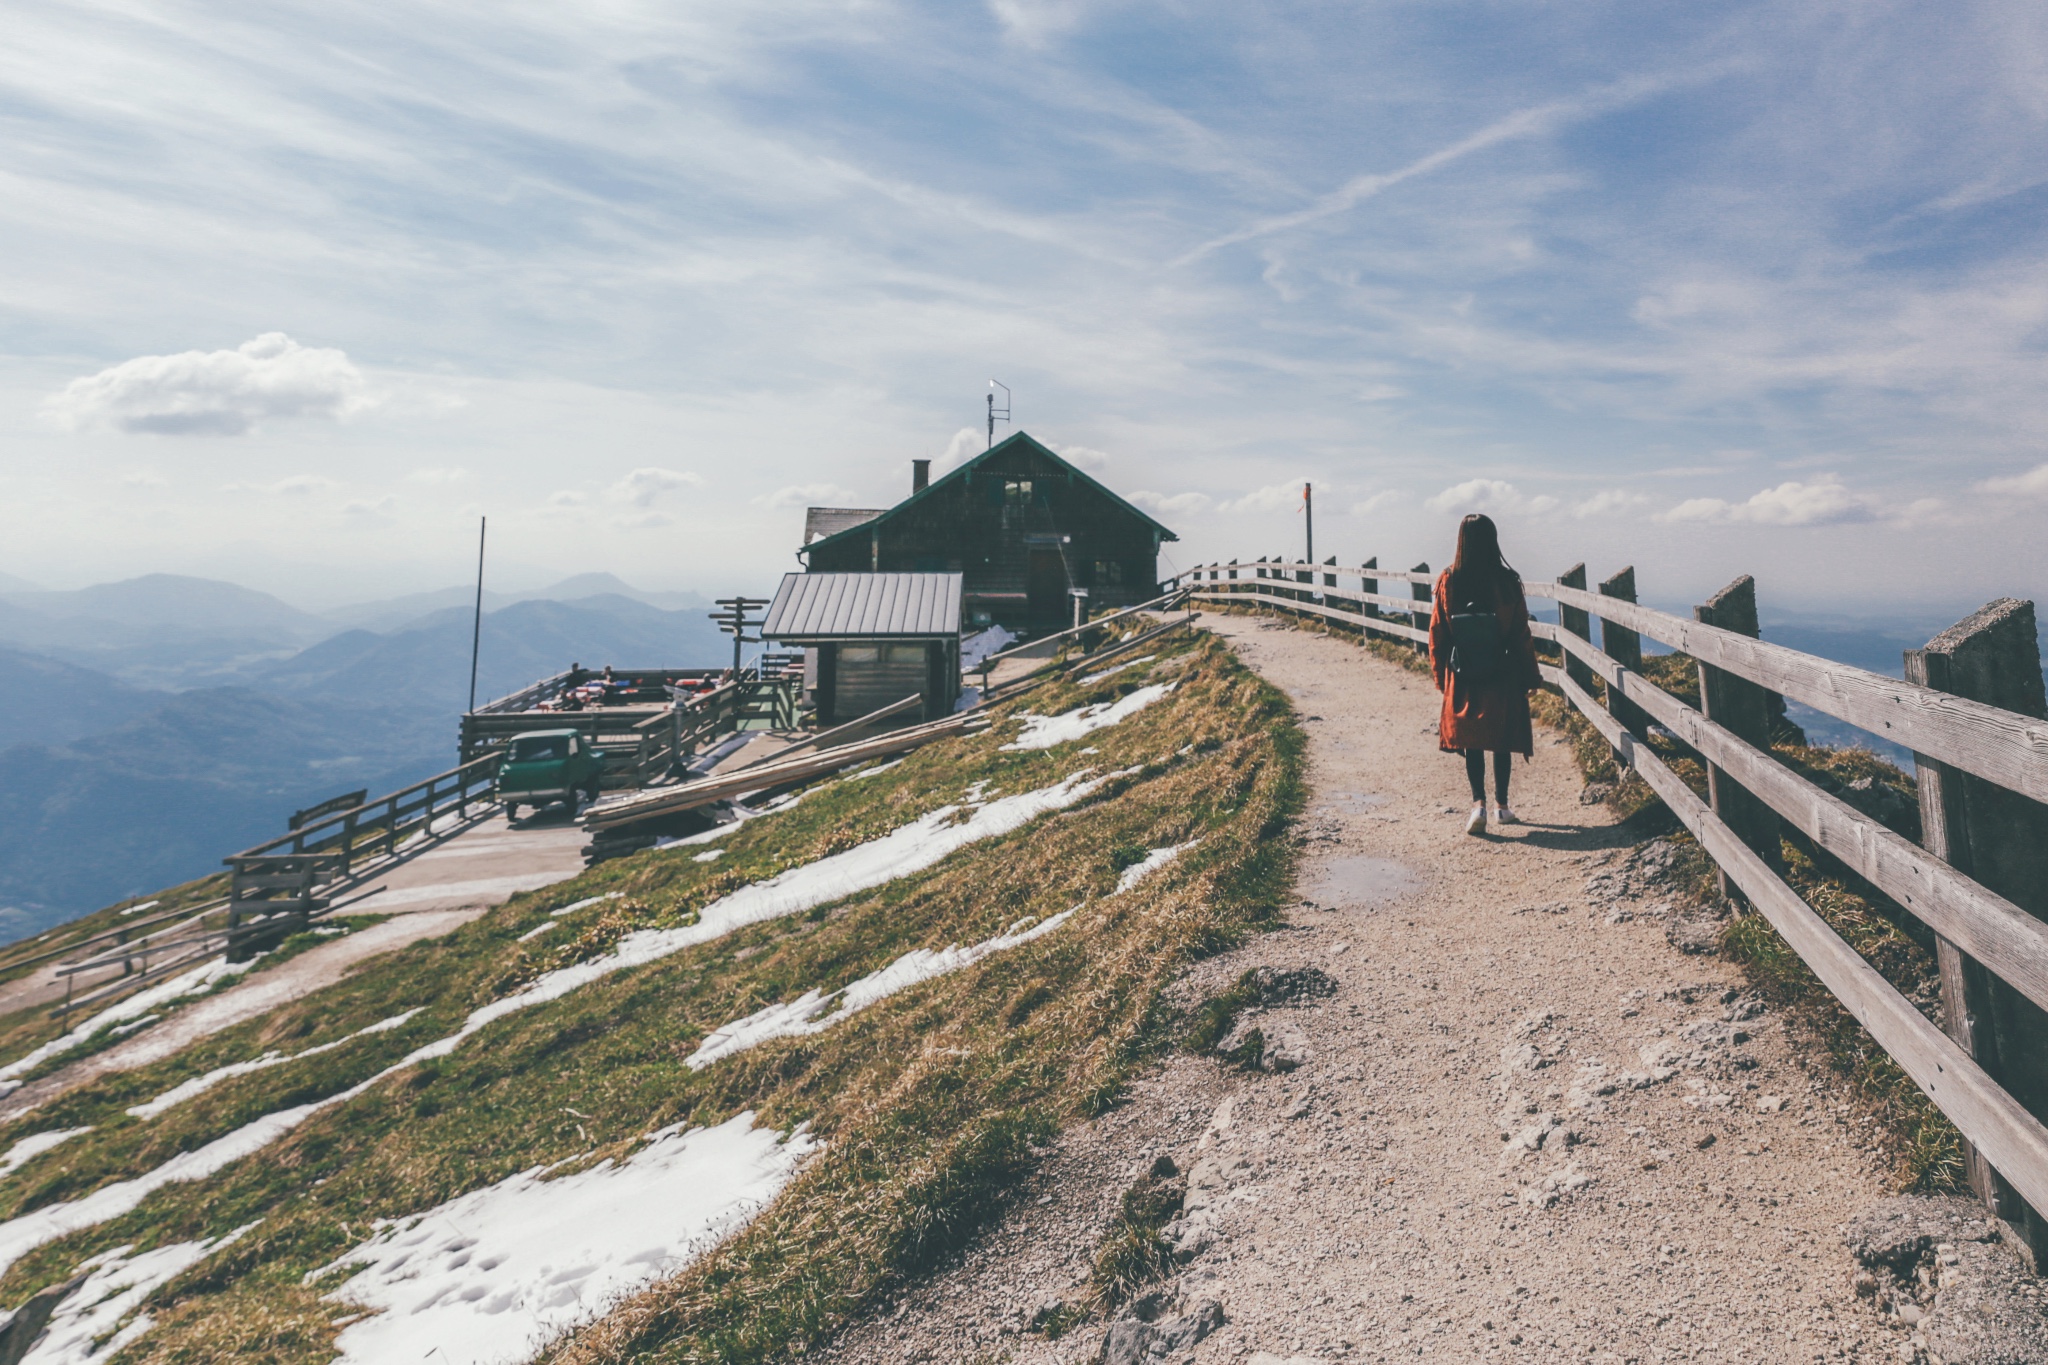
1419 620
1370 585
2000 840
1579 623
1625 647
1743 707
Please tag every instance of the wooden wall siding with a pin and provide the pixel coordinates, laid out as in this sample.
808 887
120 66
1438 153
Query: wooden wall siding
967 526
1973 709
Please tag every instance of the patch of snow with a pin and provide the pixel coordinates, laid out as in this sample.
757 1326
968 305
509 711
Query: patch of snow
713 856
1118 668
909 849
814 1012
199 1085
1152 862
538 930
969 698
1042 732
487 1278
978 646
200 978
87 1324
34 1145
585 904
870 772
123 1030
138 909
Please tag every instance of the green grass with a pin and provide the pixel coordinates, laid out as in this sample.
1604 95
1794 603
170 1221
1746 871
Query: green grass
930 1104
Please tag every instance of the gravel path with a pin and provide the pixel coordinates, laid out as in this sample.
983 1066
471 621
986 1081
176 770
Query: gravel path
1523 1128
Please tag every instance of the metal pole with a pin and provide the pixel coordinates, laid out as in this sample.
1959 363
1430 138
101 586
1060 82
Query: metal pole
1308 513
476 634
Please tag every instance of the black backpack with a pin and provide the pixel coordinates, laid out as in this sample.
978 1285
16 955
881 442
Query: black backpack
1479 654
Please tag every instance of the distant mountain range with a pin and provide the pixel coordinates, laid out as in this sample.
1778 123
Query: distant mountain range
150 727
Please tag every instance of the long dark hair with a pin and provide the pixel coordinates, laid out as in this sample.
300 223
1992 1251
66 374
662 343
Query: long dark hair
1480 575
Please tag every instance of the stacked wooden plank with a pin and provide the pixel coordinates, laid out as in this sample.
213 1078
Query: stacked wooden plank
706 791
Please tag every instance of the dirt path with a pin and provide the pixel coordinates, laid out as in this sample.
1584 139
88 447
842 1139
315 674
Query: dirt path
1524 1127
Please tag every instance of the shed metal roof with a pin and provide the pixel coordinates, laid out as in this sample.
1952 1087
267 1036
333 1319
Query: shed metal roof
858 606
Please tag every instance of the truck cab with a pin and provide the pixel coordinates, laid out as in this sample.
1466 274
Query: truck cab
541 766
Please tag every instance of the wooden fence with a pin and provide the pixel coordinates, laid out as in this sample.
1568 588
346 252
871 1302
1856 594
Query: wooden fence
1973 713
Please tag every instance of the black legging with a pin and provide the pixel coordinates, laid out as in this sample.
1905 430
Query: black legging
1475 773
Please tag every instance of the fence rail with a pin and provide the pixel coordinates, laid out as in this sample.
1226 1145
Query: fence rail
1980 928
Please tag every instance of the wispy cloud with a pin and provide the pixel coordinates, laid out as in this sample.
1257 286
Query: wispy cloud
1536 121
643 487
2032 484
810 495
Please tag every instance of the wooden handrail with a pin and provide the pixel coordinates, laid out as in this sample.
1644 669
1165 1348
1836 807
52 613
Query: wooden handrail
2012 1139
1098 622
2002 747
1981 922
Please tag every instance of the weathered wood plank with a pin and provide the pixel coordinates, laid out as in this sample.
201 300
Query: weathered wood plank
1983 923
2014 1140
1999 746
1378 623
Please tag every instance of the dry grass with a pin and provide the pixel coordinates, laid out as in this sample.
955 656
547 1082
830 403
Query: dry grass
930 1103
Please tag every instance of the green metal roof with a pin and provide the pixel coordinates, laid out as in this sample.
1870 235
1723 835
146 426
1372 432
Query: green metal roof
960 474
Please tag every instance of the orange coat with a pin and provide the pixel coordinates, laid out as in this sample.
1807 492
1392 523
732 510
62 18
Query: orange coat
1494 716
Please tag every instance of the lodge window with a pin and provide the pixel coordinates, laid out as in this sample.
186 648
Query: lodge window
1109 573
1017 492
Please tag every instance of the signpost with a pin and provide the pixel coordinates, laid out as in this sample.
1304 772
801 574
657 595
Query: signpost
737 616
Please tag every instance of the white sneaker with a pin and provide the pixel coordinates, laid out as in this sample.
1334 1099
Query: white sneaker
1503 815
1477 823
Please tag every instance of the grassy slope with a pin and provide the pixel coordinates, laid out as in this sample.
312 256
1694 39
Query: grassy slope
929 1102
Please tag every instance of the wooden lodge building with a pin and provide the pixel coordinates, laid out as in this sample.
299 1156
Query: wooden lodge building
1022 528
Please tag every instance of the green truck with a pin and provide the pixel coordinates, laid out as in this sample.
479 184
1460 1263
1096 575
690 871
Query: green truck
549 765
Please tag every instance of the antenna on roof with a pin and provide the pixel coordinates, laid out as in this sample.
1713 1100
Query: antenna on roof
995 412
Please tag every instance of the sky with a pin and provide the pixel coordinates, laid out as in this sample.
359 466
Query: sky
293 294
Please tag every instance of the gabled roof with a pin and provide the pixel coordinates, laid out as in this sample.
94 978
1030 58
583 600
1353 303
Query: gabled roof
842 606
1019 440
820 522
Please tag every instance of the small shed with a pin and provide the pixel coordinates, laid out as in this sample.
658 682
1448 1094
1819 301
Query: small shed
870 639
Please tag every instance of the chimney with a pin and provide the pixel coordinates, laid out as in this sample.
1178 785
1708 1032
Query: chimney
920 475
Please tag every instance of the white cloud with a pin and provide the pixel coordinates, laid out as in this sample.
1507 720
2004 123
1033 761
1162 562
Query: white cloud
1824 502
967 443
1175 504
1489 496
567 497
1610 502
1081 457
1378 502
378 510
1274 497
645 485
439 476
2032 484
810 495
214 393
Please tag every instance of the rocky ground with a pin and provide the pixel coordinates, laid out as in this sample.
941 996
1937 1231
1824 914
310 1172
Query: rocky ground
1497 1108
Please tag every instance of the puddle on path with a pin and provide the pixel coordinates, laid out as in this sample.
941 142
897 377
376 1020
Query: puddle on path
1362 881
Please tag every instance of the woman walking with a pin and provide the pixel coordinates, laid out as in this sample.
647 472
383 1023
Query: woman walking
1484 659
